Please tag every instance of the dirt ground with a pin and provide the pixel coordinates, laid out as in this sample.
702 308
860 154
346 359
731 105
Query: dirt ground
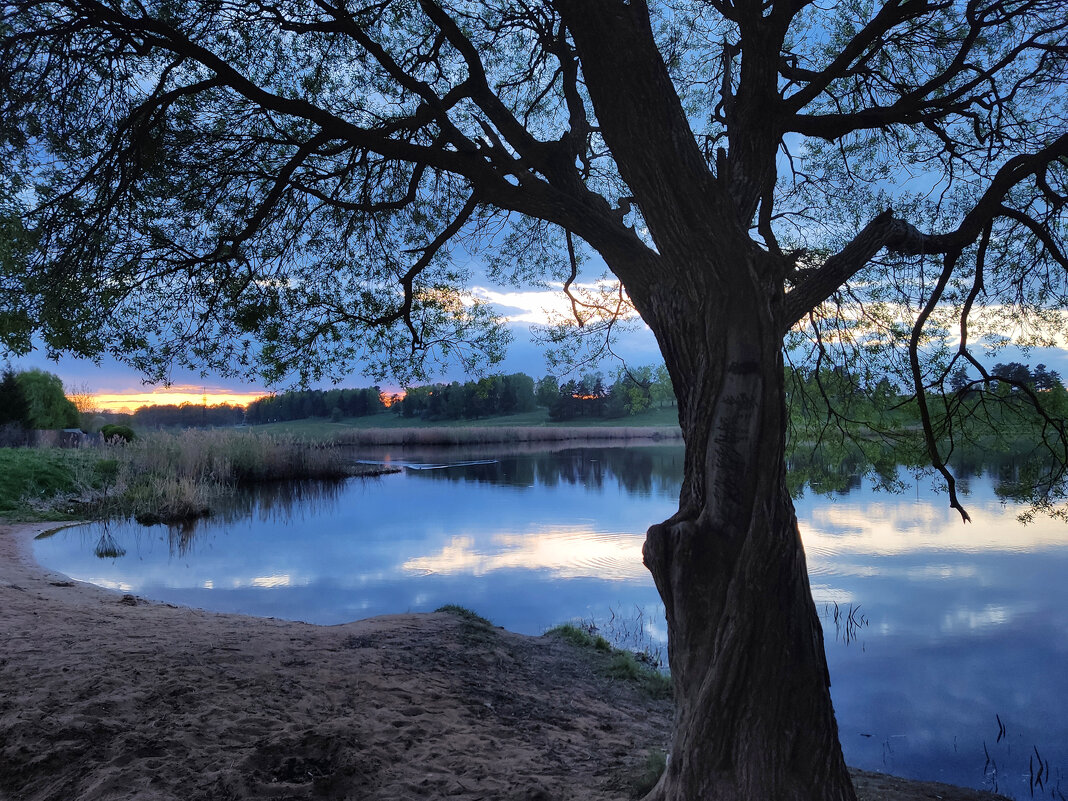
104 696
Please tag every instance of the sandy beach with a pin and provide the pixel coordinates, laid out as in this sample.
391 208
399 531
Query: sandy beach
106 696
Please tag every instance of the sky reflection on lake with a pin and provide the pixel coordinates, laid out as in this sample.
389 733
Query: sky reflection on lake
953 626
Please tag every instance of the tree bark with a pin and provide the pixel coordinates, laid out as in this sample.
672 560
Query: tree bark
754 718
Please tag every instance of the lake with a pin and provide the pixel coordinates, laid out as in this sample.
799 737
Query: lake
947 643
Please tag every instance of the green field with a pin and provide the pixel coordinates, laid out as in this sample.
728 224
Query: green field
325 429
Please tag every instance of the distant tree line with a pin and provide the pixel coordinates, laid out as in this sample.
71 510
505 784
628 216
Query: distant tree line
486 397
333 403
828 404
633 391
187 415
1014 377
589 396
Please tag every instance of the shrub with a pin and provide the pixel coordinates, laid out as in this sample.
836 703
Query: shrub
116 433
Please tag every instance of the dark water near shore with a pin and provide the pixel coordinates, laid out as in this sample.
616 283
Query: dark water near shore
953 667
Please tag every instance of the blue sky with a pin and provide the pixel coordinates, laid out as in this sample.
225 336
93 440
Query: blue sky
524 355
522 309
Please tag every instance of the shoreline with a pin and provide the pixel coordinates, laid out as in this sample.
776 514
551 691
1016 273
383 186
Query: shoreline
108 696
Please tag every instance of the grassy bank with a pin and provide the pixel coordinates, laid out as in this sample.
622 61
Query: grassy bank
157 477
392 429
35 477
611 661
442 436
665 422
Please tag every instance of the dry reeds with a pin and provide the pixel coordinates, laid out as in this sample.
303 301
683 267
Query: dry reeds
166 477
445 436
233 457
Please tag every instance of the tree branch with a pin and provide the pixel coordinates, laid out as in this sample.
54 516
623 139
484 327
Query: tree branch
821 283
898 236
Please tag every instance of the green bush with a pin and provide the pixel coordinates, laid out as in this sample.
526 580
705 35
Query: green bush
112 432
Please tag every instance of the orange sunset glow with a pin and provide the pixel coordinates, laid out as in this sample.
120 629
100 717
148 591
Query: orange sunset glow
131 400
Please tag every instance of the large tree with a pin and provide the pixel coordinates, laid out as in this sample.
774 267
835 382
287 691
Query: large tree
47 406
273 186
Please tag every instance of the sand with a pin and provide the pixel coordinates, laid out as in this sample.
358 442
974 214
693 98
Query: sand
105 696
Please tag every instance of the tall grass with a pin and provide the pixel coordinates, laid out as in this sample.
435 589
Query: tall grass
161 476
233 457
175 476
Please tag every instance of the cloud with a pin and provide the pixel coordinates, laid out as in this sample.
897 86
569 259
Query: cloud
536 307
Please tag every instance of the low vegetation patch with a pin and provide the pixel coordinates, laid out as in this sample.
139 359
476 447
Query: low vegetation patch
580 636
627 666
474 631
464 613
616 663
32 476
646 777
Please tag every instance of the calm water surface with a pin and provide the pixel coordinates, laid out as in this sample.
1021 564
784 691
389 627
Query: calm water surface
953 627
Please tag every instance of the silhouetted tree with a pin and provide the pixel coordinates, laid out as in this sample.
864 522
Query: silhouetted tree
274 188
14 410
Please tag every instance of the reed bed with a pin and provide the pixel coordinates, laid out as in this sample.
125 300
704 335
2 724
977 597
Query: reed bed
168 476
446 436
183 475
177 476
233 457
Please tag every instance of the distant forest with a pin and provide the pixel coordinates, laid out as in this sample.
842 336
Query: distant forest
629 392
187 415
332 403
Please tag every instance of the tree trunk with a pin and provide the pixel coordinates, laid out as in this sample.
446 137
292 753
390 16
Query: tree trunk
753 710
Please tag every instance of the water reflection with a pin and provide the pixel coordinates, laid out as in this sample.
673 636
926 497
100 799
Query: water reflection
561 552
638 469
947 643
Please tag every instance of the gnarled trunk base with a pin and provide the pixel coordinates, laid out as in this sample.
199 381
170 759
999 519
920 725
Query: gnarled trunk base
754 718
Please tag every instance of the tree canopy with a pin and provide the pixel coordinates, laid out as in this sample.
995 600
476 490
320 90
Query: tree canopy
285 187
47 406
14 411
